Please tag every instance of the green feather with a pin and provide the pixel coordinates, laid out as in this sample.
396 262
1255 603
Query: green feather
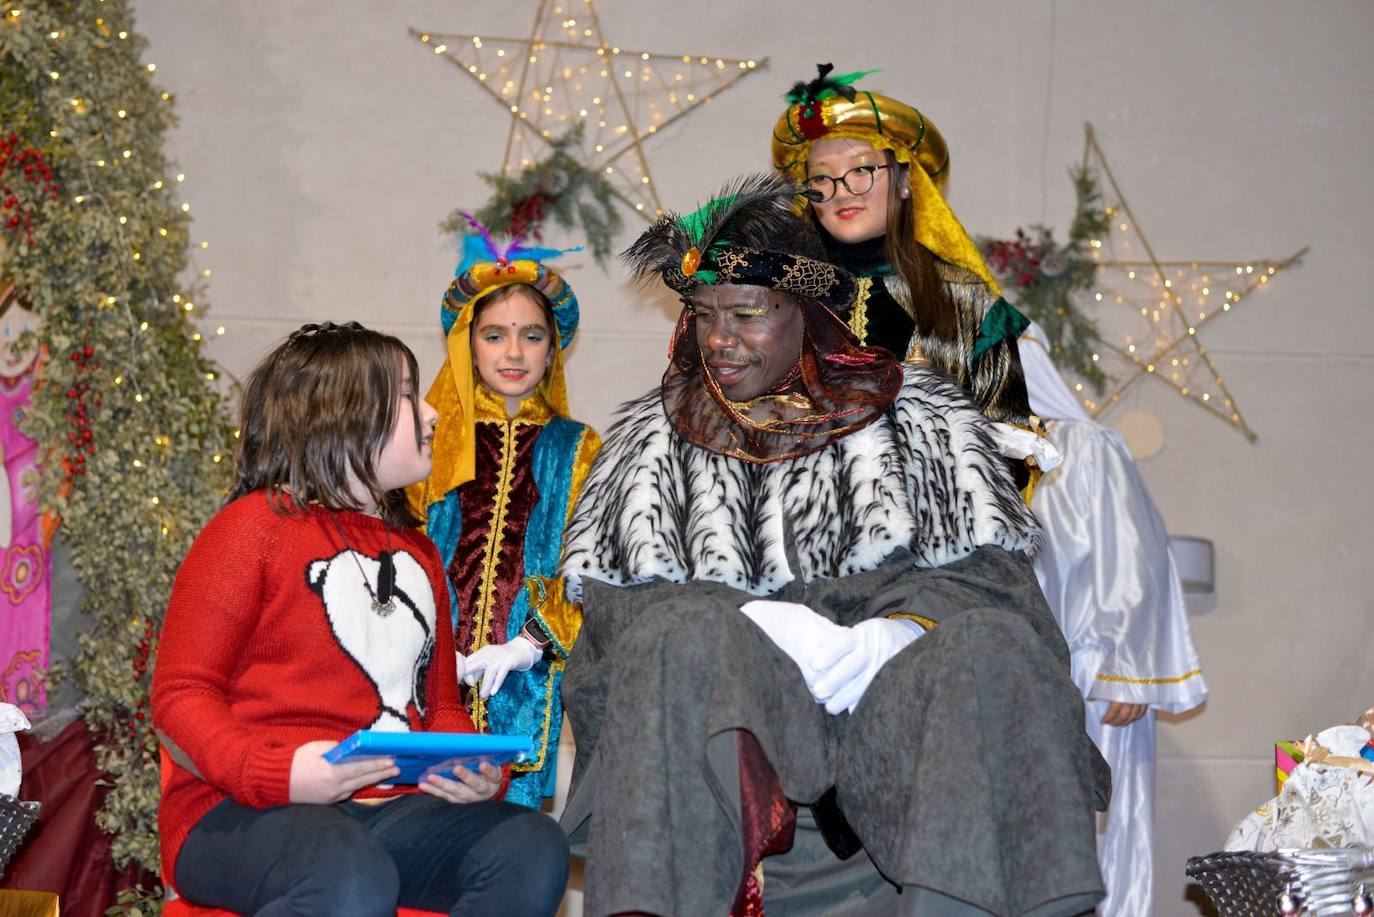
825 86
849 79
698 223
748 210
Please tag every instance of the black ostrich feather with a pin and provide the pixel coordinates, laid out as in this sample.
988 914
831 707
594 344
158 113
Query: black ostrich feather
749 211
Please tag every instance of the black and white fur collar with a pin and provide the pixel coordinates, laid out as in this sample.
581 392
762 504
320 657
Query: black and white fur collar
924 476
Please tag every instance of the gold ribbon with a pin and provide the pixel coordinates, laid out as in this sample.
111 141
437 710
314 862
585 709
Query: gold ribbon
1315 752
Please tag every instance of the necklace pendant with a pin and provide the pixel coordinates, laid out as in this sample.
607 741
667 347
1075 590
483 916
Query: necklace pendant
384 608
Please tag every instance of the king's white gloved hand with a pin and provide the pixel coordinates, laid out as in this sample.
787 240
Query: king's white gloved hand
846 666
797 630
492 663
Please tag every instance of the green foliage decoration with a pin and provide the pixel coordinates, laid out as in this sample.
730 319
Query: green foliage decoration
1042 279
557 186
132 426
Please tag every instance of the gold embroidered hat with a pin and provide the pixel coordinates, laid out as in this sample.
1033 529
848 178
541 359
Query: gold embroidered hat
487 266
831 107
728 240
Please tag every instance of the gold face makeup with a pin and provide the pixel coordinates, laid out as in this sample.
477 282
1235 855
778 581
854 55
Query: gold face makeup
749 337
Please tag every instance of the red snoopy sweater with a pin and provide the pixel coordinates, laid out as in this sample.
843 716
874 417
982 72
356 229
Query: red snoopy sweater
270 641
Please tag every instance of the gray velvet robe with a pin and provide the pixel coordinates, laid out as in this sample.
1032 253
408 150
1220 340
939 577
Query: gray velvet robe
964 770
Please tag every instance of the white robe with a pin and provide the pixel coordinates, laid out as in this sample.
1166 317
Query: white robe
1108 576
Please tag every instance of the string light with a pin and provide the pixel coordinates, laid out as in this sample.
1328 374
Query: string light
583 81
1173 328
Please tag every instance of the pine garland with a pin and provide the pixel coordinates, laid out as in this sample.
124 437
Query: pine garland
558 186
134 433
1044 278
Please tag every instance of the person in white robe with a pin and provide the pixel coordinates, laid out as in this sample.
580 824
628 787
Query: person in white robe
1110 580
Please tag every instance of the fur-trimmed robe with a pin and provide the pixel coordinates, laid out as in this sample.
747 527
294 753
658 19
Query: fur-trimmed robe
964 770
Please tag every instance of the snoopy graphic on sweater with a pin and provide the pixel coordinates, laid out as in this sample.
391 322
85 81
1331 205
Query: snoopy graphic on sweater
391 646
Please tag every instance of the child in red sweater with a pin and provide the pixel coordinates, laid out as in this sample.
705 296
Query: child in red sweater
304 611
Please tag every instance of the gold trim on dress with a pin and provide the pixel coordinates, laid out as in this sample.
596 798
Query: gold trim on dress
538 763
486 596
858 316
926 623
1150 681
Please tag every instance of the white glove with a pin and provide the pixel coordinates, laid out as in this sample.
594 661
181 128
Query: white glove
846 666
492 663
797 630
1016 443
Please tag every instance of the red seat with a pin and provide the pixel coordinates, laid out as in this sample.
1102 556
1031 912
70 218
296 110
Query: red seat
183 908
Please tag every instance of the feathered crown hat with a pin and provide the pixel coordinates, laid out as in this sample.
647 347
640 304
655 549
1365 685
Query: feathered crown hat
832 107
487 265
747 234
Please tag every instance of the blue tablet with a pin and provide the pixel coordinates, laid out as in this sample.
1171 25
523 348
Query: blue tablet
419 754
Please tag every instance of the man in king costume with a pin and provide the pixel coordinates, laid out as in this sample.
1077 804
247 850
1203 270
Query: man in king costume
816 672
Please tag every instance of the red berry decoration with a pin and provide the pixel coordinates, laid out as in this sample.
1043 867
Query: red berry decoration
82 437
37 171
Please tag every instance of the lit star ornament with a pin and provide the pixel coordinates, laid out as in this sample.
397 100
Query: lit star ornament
1168 303
566 72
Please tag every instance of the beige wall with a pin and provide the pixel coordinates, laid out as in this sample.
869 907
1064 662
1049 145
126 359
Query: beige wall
322 146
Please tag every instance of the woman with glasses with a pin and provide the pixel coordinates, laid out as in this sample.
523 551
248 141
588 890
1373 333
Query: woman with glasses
872 168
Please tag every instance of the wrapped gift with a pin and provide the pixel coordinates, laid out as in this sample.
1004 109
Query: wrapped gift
1326 798
1287 755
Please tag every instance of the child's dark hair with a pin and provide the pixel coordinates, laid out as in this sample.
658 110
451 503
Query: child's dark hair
322 405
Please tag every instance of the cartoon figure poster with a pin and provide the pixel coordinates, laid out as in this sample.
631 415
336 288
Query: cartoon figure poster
25 577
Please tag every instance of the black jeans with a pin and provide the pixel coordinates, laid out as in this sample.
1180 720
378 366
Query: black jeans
364 860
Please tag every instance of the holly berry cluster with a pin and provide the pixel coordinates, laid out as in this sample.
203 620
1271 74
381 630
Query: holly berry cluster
527 217
145 652
37 171
80 439
1017 259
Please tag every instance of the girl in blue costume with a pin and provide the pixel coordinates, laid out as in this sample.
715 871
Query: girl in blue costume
509 464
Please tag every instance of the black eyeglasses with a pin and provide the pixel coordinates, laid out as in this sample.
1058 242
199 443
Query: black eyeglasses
857 181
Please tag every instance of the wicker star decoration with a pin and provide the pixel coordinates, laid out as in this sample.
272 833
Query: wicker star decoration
1172 302
565 72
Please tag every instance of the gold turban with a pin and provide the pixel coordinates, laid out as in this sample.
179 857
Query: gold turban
486 268
830 108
